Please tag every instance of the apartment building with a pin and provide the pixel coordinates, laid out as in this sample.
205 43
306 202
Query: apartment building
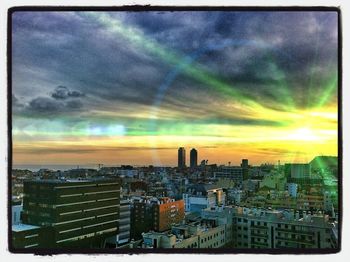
81 213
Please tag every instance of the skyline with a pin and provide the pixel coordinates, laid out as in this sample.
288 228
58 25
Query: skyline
130 88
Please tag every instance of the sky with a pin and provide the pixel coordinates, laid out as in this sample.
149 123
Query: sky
131 87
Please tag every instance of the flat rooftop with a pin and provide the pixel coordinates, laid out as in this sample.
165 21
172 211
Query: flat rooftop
23 227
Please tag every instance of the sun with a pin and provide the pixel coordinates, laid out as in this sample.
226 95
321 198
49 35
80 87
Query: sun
303 134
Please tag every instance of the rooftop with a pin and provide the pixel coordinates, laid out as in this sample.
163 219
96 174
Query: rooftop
65 181
23 227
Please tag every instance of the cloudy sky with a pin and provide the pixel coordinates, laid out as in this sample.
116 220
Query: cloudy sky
132 87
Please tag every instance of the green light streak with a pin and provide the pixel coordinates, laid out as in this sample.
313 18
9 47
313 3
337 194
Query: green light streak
329 90
138 39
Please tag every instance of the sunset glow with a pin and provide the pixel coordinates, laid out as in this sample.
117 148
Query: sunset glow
130 88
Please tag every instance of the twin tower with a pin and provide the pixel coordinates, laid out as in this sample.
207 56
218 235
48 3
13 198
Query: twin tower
181 159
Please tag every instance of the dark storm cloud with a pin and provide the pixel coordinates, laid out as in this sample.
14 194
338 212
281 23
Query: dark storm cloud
75 104
48 107
15 102
255 52
44 105
62 92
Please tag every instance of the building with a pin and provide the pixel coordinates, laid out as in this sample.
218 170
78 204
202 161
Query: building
168 212
29 236
310 201
292 189
330 199
234 196
181 159
245 168
16 209
297 172
193 158
187 236
157 214
250 185
232 172
80 213
123 235
127 171
201 196
261 228
274 181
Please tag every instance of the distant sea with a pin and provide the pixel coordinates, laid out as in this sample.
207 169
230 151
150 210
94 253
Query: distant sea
52 167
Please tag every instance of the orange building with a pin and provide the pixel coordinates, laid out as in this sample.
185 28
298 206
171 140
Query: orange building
154 214
167 213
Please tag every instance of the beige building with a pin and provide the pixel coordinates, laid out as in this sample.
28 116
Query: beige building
259 228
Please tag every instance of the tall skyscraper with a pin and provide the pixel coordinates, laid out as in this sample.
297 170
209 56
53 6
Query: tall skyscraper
193 158
181 157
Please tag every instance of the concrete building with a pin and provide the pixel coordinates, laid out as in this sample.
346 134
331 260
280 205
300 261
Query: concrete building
292 189
234 196
222 216
29 236
201 196
250 185
261 228
193 158
123 235
80 213
273 181
181 158
187 236
330 200
310 201
233 172
297 172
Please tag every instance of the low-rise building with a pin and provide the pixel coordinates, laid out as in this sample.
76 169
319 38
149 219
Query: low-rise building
261 228
201 196
187 236
292 189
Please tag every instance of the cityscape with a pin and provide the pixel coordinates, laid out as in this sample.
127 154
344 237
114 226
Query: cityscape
174 130
202 205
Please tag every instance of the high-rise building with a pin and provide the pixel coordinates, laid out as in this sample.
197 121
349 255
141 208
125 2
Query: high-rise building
245 168
181 157
193 158
79 213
